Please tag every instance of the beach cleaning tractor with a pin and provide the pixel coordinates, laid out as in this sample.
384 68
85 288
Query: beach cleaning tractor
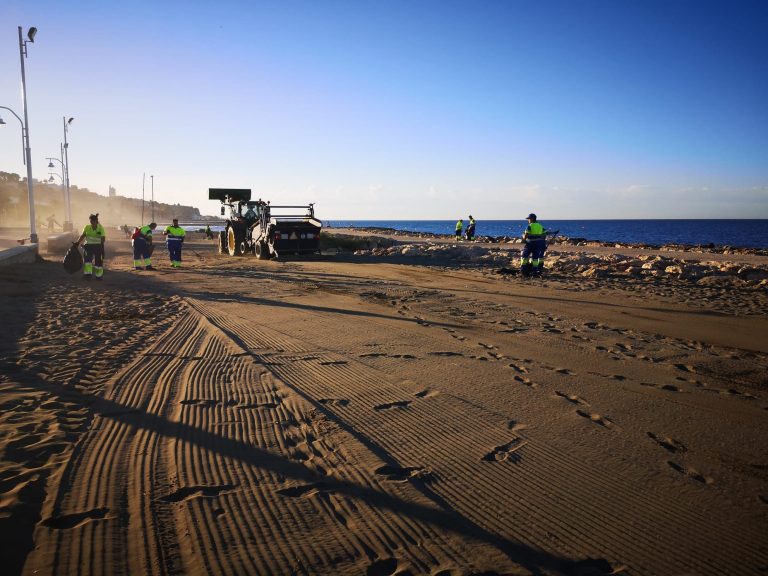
257 227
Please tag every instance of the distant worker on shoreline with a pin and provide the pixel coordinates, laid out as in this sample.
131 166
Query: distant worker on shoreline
93 249
142 247
471 229
52 223
532 255
459 227
174 239
208 232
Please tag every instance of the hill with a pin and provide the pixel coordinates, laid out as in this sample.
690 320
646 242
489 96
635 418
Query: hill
49 201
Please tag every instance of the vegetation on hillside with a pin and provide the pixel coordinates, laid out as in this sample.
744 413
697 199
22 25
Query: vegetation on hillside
49 202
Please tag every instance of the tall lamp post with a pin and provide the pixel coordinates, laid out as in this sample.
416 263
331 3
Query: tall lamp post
25 132
152 178
30 190
68 208
67 213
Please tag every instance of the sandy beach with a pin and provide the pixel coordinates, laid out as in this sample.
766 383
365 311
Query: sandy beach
379 413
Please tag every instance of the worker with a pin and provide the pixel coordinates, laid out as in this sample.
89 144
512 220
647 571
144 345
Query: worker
471 229
459 227
93 250
174 239
142 247
532 255
208 232
52 223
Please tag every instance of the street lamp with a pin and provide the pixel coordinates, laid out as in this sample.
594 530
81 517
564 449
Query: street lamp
67 207
25 131
30 190
67 221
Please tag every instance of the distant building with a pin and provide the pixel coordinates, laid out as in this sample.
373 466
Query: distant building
112 191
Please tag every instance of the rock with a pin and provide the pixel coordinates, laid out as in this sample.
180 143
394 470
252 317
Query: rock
595 273
749 273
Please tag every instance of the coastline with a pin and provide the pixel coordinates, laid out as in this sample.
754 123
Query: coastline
385 412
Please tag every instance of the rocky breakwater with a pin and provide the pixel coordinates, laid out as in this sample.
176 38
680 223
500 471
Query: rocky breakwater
466 254
703 273
643 267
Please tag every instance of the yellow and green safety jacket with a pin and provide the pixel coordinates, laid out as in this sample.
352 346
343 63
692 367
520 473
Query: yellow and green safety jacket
535 231
146 231
94 235
175 232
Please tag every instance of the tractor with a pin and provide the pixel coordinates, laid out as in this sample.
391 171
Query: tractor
256 227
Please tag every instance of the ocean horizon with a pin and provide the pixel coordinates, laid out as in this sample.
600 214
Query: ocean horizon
748 233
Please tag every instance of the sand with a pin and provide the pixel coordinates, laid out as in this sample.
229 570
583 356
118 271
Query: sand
365 415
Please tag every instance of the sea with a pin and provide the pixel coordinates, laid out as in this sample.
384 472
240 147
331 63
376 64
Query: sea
751 233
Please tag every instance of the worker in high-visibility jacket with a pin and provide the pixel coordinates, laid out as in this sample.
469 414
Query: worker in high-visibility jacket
532 256
174 238
459 228
142 247
93 237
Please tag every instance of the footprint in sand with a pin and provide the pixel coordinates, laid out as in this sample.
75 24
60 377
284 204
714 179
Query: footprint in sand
519 368
669 444
333 401
596 418
526 381
572 398
505 452
391 405
190 492
207 402
303 490
690 473
514 425
565 371
69 521
402 474
685 368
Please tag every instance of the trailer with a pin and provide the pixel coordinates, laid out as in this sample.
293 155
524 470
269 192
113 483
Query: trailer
257 227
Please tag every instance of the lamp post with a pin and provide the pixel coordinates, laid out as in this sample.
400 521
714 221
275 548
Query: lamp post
68 208
30 190
67 219
152 178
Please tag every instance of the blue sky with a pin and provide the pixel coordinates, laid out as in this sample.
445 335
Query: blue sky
573 109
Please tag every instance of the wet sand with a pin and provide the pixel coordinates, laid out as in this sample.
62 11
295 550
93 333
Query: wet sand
360 415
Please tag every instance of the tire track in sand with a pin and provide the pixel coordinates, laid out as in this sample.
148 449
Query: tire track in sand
604 514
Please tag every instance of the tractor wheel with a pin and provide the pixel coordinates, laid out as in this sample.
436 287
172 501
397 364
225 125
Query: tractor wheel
262 250
222 242
233 242
244 248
